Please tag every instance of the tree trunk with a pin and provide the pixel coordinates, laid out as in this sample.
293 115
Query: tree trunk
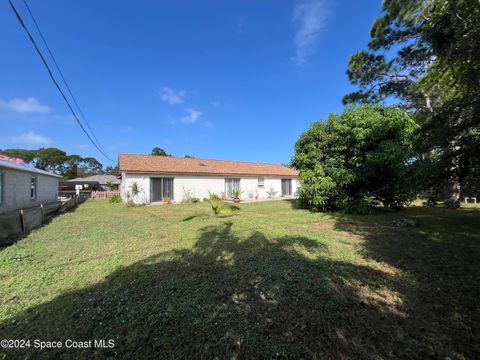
453 200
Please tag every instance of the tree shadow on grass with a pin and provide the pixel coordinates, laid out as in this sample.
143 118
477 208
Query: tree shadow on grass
441 260
232 295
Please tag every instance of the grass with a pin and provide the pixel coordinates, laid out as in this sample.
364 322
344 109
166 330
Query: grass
271 281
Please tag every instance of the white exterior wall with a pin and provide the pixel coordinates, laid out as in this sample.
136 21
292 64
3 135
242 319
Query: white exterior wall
198 186
201 185
143 181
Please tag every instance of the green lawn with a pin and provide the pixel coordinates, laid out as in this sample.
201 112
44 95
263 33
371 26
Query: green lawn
271 281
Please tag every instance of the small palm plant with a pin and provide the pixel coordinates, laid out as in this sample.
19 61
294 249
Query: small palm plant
219 208
135 190
236 195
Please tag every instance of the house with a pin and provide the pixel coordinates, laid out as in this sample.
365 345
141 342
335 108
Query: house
68 188
158 177
23 187
104 182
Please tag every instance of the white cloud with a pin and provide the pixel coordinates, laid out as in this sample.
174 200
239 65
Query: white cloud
216 103
239 28
310 17
172 96
31 139
193 115
24 106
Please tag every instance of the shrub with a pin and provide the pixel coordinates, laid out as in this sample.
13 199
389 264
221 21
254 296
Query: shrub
359 206
220 207
356 160
115 199
430 202
188 196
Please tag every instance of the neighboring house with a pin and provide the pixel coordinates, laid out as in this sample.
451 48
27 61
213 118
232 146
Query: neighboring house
22 186
177 178
67 188
106 182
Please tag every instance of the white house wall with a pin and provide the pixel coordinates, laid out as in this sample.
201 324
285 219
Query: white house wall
16 192
200 186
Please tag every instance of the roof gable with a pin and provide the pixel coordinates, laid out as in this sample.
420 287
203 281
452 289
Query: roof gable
175 165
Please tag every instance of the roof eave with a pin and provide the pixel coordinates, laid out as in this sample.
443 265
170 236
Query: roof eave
204 173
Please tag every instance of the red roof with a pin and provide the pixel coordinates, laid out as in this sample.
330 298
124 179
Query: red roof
175 165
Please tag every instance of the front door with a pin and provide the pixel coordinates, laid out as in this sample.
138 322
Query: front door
286 187
161 188
231 185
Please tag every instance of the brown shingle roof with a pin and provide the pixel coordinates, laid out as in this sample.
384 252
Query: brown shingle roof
175 165
101 179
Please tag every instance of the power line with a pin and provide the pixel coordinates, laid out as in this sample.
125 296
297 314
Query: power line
61 74
19 18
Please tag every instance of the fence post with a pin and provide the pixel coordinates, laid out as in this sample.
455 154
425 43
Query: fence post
22 221
43 215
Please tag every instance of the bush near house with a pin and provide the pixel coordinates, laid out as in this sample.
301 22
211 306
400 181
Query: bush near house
356 160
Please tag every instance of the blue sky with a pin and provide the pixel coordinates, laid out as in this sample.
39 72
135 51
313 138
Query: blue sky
236 80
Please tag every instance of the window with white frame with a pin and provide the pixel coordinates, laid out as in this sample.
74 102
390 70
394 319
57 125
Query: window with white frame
33 187
261 182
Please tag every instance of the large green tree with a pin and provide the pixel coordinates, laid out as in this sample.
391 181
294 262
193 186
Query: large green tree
57 161
426 55
159 152
356 160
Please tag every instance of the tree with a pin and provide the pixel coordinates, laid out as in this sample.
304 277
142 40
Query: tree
70 167
159 152
91 166
26 155
356 160
435 72
112 170
50 159
189 157
76 166
57 161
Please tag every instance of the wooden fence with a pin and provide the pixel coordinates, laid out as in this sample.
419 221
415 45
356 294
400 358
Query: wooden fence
104 194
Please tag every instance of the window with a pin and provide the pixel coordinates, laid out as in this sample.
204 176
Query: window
261 182
33 187
286 187
231 185
1 187
161 188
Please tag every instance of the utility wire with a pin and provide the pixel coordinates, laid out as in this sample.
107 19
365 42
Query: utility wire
19 18
61 74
